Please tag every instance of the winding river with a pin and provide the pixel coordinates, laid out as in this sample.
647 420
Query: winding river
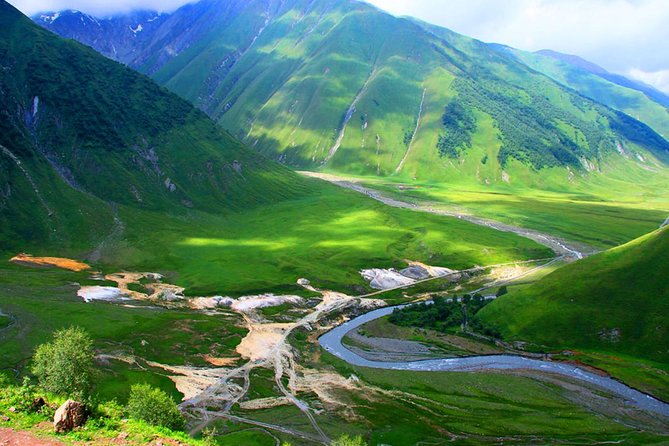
332 342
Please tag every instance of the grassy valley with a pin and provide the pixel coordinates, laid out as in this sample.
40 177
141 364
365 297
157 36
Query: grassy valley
195 260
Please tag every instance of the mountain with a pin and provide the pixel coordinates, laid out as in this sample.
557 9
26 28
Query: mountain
616 301
633 98
341 86
80 135
100 163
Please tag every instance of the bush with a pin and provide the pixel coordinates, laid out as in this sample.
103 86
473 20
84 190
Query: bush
19 397
349 441
65 365
155 407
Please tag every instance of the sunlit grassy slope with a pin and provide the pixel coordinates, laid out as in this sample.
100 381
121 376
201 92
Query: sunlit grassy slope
616 301
343 87
632 101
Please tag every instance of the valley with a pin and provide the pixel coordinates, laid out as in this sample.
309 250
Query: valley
311 222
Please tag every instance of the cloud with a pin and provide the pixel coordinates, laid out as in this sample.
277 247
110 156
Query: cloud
620 35
658 79
97 7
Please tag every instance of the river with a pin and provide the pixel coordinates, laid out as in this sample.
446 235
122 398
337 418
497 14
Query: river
332 342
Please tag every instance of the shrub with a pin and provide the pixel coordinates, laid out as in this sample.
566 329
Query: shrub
19 397
345 440
64 366
155 407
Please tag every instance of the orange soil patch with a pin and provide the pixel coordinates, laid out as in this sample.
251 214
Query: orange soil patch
219 362
59 262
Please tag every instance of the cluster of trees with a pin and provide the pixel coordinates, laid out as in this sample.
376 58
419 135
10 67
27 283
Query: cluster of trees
459 123
528 125
442 314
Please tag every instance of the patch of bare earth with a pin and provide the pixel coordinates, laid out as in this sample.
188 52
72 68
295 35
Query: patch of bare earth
58 262
10 437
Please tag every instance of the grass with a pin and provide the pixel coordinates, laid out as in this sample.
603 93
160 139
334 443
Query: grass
326 237
479 408
614 303
43 301
600 211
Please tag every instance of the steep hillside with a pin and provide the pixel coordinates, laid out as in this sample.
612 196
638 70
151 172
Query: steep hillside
641 102
99 162
616 301
78 132
341 86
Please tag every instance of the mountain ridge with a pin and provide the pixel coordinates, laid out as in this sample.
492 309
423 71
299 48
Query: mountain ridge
308 84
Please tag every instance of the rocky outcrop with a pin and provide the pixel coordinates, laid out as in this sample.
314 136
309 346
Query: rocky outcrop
70 415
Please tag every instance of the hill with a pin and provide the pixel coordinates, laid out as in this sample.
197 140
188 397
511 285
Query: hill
635 99
81 135
100 163
616 301
341 86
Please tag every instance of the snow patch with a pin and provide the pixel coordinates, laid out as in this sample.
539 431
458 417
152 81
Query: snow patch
35 105
104 293
244 303
136 30
50 18
383 279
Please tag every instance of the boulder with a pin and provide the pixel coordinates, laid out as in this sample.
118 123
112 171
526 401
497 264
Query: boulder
70 414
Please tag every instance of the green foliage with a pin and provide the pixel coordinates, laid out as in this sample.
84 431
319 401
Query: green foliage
346 440
155 407
502 291
20 397
441 315
64 366
459 123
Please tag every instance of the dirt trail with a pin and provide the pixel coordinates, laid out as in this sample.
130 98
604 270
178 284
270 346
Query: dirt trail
10 437
560 247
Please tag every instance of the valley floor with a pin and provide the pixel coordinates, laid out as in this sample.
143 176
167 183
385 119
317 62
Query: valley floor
242 363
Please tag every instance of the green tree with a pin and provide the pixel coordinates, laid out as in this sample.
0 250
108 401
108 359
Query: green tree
154 406
65 365
346 440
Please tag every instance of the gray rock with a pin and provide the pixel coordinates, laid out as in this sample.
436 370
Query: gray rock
70 415
415 272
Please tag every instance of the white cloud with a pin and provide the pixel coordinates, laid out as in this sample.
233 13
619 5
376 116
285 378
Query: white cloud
620 35
658 79
97 7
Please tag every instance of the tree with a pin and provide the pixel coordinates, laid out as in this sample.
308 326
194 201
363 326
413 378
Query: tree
65 365
154 406
346 440
502 291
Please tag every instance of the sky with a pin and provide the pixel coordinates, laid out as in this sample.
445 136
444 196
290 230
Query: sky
624 36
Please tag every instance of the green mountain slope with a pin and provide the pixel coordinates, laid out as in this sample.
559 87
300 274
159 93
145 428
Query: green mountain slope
341 86
616 301
78 131
99 162
581 78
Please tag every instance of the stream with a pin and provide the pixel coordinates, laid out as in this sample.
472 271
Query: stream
332 342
